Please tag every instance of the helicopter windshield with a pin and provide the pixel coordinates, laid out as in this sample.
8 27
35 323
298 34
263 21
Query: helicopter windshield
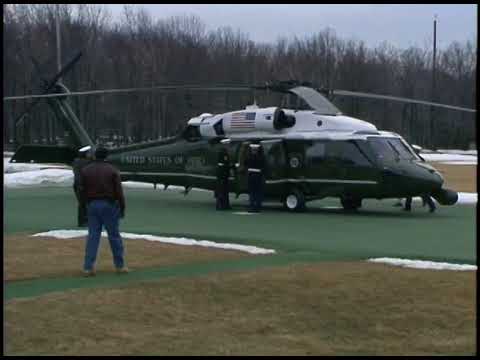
315 100
389 149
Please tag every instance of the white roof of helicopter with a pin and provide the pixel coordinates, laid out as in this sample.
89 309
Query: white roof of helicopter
309 125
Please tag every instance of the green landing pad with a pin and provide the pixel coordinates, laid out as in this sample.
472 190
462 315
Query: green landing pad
379 229
324 233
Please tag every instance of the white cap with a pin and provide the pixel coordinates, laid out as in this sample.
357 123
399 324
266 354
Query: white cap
85 148
254 146
225 141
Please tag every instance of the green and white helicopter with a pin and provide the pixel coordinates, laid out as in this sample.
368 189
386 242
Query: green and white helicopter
310 153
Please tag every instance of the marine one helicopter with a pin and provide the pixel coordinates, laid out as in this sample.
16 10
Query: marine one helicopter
310 154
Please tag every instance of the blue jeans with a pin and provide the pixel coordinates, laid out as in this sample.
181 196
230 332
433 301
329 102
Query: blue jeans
103 213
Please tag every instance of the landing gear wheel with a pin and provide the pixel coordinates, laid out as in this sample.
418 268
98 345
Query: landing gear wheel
351 204
295 201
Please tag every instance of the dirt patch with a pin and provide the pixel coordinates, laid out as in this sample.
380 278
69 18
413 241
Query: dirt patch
458 177
321 309
29 257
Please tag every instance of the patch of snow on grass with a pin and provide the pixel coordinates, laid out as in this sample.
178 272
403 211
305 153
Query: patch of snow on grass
47 177
462 152
9 167
459 162
463 198
467 198
449 157
68 234
421 264
135 184
63 177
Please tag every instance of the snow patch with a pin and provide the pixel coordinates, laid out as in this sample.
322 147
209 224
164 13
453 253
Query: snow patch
69 234
421 264
449 157
63 177
140 185
9 168
463 198
462 152
459 162
47 177
467 198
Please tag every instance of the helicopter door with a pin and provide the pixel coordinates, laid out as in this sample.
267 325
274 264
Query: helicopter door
275 159
275 166
241 175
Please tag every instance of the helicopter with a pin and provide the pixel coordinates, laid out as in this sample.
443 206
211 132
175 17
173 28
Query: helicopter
311 152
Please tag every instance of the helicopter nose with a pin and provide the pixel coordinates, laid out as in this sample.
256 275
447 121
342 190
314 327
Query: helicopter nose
414 179
429 179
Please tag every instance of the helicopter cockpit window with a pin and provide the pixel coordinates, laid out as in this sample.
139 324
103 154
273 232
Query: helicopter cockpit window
316 152
192 133
404 152
389 149
382 149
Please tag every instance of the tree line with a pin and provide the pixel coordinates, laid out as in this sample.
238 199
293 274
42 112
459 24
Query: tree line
138 51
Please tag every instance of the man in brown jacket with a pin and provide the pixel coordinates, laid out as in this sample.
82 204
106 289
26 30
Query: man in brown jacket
101 189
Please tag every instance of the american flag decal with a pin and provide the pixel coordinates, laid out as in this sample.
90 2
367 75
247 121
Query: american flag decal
243 120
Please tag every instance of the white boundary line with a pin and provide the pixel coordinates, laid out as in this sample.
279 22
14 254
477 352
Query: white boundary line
422 264
69 234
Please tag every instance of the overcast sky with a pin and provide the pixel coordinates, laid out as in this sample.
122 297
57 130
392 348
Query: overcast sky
401 25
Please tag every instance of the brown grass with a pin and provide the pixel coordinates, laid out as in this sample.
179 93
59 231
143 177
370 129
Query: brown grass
458 177
33 257
321 309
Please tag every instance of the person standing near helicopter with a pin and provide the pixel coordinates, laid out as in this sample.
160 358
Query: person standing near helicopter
83 158
223 172
426 200
255 164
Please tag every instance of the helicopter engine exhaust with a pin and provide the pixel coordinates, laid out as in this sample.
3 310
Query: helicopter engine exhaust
445 196
282 120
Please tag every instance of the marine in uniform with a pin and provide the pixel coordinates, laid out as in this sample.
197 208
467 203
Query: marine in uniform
426 200
255 165
83 159
223 172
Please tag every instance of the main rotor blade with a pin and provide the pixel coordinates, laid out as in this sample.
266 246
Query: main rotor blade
112 91
400 99
49 86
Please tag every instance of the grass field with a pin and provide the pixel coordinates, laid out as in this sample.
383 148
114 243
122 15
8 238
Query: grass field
318 309
316 296
459 177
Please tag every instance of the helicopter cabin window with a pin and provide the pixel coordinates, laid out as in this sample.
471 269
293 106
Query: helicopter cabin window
192 133
345 152
316 152
353 155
